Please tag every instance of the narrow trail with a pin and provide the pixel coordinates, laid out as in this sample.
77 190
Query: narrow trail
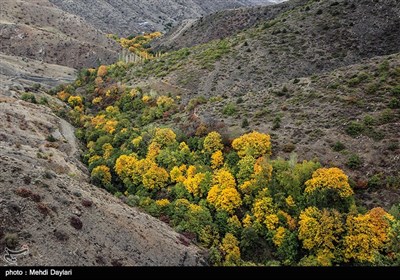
182 28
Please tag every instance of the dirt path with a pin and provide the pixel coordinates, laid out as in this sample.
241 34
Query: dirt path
184 26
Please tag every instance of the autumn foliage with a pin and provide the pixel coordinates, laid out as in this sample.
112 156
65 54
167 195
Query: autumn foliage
253 144
244 206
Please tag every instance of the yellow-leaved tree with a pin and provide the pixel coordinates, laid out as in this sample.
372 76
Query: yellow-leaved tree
125 166
213 142
265 213
101 175
165 102
176 175
223 194
329 179
110 126
193 180
153 150
102 71
230 249
164 137
366 235
217 159
155 178
320 231
107 150
253 144
75 101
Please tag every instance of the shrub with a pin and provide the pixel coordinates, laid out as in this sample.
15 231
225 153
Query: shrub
23 192
354 129
338 146
239 100
276 123
245 123
87 202
11 240
61 235
375 181
376 135
29 97
43 100
354 161
194 102
229 109
392 146
394 103
51 138
288 148
43 208
386 116
369 120
396 90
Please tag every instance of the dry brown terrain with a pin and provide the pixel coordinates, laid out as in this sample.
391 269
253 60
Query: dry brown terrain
131 17
40 31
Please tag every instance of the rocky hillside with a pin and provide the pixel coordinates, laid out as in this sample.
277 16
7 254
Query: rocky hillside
129 17
47 203
40 31
280 73
309 39
219 25
20 73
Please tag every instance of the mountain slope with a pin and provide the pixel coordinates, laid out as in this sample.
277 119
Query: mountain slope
41 31
47 203
263 62
129 17
309 39
219 25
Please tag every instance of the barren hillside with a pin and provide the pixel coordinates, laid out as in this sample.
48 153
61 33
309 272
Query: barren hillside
219 25
40 31
129 17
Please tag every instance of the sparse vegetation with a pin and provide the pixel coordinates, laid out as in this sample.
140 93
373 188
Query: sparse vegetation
354 129
51 138
11 240
29 97
354 161
338 146
230 109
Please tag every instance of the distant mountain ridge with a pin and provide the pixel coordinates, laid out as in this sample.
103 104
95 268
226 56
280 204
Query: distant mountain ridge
128 17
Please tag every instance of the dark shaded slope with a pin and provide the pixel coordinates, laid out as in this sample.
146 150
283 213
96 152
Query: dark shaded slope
219 25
